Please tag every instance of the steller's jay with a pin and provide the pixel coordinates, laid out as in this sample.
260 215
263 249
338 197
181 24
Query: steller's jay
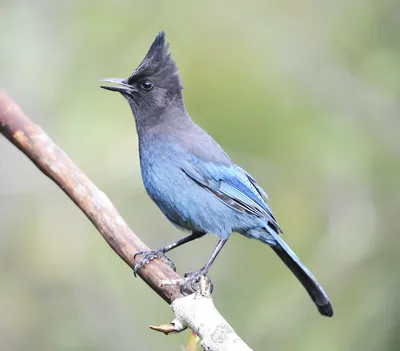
190 177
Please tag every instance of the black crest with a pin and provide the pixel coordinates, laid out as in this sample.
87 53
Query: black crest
158 64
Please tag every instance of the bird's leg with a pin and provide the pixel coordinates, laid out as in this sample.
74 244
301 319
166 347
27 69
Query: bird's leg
148 256
191 278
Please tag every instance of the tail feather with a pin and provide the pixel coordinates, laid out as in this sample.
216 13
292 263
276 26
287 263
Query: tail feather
305 277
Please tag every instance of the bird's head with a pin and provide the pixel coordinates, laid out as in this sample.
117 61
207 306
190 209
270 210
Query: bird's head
154 84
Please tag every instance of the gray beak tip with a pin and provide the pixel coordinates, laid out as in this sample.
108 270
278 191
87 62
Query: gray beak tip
122 85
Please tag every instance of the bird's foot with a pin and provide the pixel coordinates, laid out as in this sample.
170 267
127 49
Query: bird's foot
192 282
148 256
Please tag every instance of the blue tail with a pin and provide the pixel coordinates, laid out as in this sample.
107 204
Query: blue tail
305 277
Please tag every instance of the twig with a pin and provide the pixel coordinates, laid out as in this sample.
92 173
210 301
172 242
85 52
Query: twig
198 312
193 311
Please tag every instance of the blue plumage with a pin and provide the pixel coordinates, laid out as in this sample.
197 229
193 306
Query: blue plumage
190 177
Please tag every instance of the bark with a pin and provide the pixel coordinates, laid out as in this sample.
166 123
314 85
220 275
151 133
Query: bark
194 311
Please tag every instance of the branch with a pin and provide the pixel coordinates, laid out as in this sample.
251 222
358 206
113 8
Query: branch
199 314
193 311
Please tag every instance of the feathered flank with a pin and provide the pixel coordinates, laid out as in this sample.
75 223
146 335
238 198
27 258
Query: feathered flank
159 64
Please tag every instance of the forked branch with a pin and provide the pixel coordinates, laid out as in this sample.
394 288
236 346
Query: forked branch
194 311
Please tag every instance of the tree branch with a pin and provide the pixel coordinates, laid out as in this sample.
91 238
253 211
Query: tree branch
194 311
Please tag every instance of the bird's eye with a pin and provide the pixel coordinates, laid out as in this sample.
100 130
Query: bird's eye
147 85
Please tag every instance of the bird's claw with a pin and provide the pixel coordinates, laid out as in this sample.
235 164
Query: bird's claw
192 281
151 255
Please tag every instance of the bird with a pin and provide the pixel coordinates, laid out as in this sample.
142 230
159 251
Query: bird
192 179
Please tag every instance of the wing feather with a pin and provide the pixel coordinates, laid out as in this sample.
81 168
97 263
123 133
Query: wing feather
233 186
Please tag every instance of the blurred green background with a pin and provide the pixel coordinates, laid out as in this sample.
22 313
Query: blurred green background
302 94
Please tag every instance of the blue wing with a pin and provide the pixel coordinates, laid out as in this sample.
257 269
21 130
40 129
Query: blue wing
233 186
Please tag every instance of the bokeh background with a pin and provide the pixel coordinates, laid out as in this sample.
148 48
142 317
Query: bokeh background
302 94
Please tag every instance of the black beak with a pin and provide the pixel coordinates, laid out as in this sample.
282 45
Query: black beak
123 87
